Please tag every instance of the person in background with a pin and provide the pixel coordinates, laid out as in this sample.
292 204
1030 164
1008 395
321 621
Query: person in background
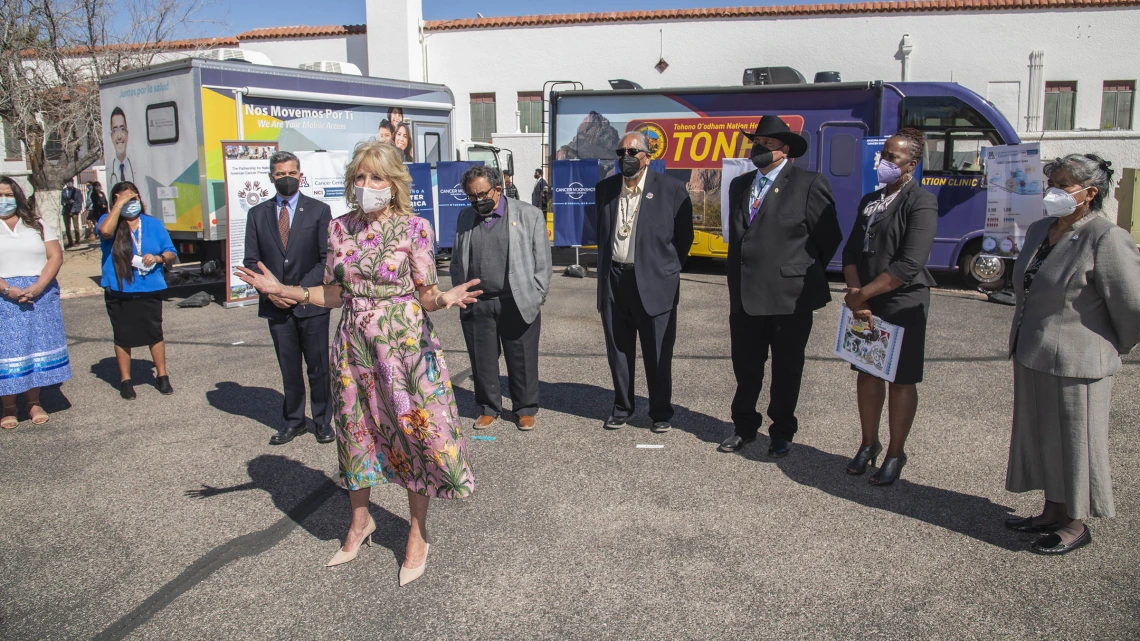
33 346
384 132
502 243
394 413
540 196
509 189
1077 291
289 234
96 208
645 231
884 265
71 200
783 231
402 139
136 249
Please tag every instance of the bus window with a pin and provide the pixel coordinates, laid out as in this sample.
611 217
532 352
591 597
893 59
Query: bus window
955 134
966 150
842 161
432 146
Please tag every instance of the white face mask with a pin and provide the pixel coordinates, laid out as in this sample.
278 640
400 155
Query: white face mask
1060 203
373 200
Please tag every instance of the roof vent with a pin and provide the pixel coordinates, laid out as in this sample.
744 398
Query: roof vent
773 76
826 76
233 53
332 66
623 84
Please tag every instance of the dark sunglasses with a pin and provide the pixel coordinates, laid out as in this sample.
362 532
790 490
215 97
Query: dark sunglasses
628 152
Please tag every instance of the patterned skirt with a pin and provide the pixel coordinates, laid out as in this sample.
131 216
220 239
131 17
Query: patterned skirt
33 346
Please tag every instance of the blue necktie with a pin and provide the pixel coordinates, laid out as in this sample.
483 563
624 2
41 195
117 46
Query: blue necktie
758 200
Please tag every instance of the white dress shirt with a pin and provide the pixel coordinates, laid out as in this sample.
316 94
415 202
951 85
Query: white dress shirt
628 207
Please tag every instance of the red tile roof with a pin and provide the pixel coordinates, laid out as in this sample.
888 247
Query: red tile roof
902 6
277 33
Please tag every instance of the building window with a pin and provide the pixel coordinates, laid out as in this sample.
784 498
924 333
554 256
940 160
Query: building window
482 116
12 148
530 112
1060 105
1116 104
53 148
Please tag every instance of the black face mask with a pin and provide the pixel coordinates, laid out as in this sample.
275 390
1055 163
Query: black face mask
287 186
630 166
484 206
762 157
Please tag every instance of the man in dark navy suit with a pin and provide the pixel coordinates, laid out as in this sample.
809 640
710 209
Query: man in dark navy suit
289 234
645 231
783 231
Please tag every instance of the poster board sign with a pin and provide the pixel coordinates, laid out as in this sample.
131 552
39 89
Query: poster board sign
874 350
323 178
575 221
247 185
1014 189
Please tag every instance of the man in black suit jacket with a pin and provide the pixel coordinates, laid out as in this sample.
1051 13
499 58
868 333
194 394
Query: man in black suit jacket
783 231
290 235
645 231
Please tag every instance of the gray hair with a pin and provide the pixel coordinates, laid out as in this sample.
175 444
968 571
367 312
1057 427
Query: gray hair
279 157
1090 170
494 178
642 140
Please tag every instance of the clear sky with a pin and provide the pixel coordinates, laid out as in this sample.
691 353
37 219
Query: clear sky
244 16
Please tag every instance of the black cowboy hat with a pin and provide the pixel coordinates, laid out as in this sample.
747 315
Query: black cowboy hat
773 127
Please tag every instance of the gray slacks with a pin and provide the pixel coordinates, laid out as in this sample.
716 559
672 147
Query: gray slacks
492 327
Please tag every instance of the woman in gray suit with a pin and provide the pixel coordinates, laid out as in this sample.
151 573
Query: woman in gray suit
1077 283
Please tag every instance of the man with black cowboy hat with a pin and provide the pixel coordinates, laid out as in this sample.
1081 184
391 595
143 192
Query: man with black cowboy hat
783 231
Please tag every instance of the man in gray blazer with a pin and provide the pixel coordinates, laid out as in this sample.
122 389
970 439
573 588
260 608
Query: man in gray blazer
503 242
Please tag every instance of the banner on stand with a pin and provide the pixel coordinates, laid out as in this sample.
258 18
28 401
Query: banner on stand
422 193
575 220
452 199
247 185
324 178
1014 188
730 168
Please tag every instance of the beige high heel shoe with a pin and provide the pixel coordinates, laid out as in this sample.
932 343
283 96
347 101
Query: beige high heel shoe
407 575
344 557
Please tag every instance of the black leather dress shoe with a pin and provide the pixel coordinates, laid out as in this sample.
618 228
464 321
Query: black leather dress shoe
288 434
779 448
163 385
127 390
615 423
660 427
325 434
734 443
1027 525
1051 544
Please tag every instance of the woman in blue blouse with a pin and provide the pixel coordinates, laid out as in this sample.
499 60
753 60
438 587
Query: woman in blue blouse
136 247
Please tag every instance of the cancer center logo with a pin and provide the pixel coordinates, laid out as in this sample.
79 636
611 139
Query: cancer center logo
575 190
455 192
658 142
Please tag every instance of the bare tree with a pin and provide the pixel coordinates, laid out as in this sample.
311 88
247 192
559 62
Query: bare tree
52 54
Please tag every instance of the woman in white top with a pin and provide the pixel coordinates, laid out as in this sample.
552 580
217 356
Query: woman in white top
33 347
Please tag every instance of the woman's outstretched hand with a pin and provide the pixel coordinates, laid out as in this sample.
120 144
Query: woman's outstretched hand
461 295
265 282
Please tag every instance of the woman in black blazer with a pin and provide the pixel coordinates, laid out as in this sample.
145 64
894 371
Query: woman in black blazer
884 264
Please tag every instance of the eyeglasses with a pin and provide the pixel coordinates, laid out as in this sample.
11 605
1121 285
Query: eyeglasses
628 152
486 194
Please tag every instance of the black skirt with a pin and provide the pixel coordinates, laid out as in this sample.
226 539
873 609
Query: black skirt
906 307
136 319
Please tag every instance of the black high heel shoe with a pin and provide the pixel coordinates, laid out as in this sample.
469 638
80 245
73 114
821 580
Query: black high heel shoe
866 454
889 472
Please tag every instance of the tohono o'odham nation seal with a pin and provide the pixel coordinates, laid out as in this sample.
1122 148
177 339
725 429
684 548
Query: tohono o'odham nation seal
658 141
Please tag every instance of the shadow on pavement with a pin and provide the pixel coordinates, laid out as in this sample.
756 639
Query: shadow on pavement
258 403
52 400
142 371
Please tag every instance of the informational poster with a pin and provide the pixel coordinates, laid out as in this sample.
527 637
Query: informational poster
873 349
730 168
1013 197
575 221
452 199
324 178
247 185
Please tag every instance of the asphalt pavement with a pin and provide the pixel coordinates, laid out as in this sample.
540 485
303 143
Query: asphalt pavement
172 517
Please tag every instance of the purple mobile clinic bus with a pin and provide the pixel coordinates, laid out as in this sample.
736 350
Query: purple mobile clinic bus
694 129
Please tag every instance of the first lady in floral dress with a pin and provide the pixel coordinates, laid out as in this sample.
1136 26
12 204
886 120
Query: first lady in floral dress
394 410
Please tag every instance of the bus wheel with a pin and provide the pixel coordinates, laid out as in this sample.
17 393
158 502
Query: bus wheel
981 272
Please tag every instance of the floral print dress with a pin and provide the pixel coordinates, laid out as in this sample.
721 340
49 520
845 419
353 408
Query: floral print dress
393 407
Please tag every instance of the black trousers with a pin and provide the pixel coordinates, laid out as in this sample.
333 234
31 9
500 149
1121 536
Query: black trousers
492 327
623 320
752 336
293 339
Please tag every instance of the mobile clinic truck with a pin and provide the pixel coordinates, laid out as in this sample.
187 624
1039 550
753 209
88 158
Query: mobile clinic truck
693 129
164 126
